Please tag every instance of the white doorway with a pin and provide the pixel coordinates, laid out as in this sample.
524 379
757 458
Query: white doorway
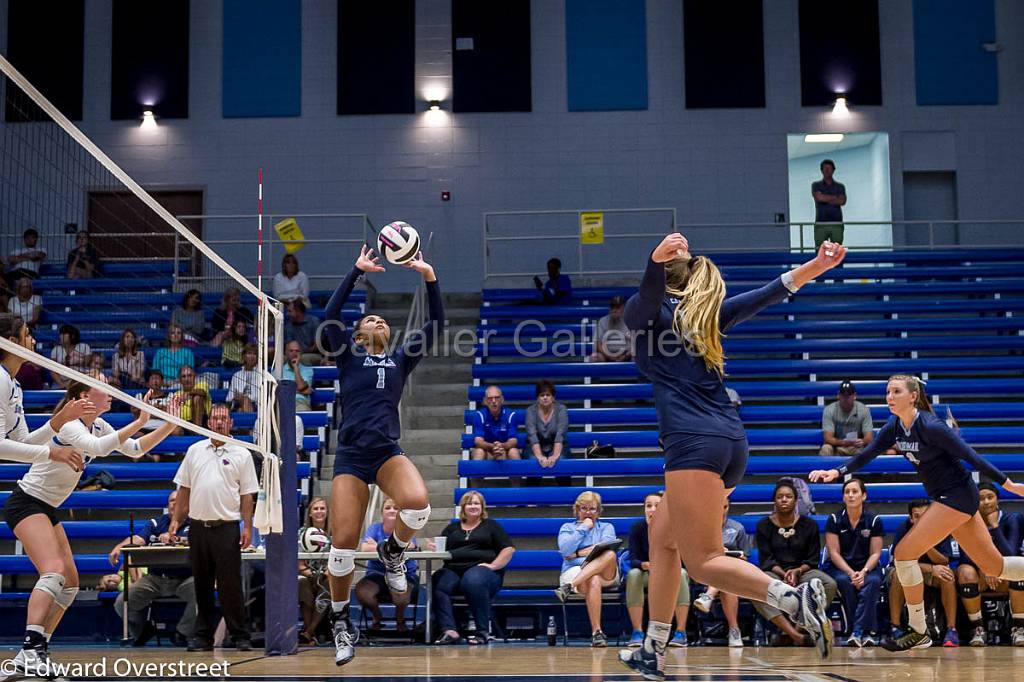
862 165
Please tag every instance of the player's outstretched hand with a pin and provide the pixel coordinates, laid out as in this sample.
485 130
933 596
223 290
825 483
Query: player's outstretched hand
67 455
823 475
1015 488
76 409
419 265
671 247
367 262
829 255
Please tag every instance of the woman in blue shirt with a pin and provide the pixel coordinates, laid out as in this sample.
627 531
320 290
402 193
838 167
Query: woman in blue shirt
576 540
372 589
936 452
853 538
678 318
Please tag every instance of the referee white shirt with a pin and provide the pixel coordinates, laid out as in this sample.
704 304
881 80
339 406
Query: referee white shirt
217 477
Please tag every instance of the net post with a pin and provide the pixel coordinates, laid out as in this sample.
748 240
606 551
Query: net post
282 631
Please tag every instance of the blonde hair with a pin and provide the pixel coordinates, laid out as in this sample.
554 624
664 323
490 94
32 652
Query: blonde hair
466 496
699 286
913 385
309 520
587 496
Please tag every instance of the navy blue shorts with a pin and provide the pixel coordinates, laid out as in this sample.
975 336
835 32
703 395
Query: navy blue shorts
363 466
724 456
963 497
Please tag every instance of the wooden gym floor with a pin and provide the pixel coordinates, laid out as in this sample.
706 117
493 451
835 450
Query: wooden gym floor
533 663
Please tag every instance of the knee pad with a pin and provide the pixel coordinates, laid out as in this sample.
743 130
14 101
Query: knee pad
909 573
66 597
1017 585
342 562
51 584
968 590
415 518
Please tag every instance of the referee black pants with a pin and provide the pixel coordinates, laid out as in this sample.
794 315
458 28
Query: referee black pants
217 562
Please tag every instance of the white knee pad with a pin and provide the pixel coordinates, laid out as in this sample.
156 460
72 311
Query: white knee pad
51 584
415 518
909 573
342 562
66 597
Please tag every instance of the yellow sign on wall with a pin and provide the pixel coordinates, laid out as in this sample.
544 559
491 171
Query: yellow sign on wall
289 233
592 228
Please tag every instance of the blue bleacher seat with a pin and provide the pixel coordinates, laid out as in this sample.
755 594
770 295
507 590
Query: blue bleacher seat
243 420
85 563
321 396
548 527
128 471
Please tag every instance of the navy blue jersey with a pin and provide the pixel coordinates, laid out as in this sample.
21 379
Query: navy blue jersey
372 385
689 397
934 449
1006 536
854 542
945 548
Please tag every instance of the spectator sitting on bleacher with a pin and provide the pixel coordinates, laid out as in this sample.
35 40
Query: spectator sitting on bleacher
734 539
639 573
195 395
558 288
853 537
83 260
494 429
480 550
31 377
245 383
169 361
301 328
372 589
846 423
547 426
128 367
576 540
159 582
232 343
301 374
25 262
291 284
313 572
229 310
1006 530
613 342
190 316
98 366
26 304
936 573
70 352
789 548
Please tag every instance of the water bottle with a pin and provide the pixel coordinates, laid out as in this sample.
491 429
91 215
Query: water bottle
472 624
758 633
552 631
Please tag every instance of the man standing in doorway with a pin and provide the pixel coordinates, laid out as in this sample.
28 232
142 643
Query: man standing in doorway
829 198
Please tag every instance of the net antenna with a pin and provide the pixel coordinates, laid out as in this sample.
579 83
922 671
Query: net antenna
53 178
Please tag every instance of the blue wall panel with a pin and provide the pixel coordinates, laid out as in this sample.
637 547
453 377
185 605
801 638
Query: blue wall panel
262 58
606 50
951 66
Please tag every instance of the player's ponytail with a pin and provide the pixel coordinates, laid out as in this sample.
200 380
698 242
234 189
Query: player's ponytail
699 286
75 391
914 384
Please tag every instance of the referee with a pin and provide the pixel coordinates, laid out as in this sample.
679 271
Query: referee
215 486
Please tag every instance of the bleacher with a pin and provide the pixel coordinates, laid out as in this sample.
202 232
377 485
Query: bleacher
140 296
951 317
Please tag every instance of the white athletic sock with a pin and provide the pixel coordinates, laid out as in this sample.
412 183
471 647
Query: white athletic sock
48 635
657 636
917 622
1013 568
339 606
975 618
35 628
783 597
399 541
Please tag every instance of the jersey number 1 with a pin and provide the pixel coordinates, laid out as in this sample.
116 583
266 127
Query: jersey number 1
380 377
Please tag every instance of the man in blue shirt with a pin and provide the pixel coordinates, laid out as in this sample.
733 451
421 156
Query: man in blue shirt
558 288
494 428
829 199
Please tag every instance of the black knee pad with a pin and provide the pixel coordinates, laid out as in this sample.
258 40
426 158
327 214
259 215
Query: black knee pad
1017 585
968 590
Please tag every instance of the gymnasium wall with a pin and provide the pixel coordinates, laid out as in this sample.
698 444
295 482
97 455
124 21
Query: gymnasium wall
711 164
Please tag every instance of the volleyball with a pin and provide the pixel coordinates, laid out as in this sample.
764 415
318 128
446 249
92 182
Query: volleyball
313 540
399 242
